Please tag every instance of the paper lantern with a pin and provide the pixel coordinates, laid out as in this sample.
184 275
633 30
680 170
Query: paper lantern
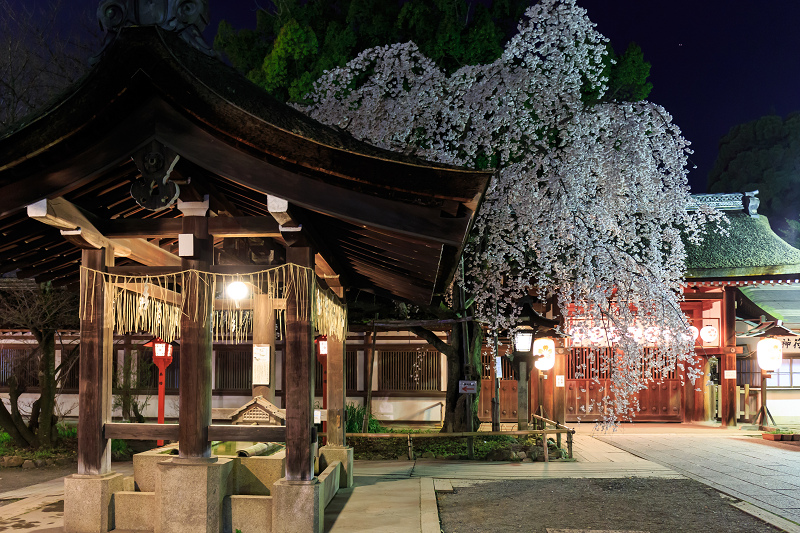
709 334
770 354
545 351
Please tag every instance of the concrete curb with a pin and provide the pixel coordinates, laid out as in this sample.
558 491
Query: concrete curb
428 508
770 518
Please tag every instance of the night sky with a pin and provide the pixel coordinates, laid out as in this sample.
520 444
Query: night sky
715 63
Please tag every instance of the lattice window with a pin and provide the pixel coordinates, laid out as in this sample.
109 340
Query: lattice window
20 362
409 370
233 368
255 414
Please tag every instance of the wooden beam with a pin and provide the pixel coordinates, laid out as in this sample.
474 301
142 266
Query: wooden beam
688 296
94 399
336 391
220 227
141 431
148 253
215 432
76 227
298 388
264 334
153 291
139 270
728 400
247 433
195 368
142 228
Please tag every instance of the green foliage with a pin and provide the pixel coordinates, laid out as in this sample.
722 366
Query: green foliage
65 448
294 42
355 418
66 431
5 443
763 154
121 450
791 233
628 76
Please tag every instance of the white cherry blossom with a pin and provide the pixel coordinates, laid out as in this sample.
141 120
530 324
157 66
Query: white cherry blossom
588 201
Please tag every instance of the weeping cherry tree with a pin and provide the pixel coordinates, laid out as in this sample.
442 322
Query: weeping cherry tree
588 201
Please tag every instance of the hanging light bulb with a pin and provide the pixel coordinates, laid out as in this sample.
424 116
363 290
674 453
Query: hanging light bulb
236 290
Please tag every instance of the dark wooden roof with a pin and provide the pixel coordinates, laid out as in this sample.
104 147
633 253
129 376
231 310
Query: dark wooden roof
388 222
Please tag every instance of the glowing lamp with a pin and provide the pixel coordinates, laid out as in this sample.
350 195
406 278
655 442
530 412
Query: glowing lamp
236 290
770 354
709 334
545 352
323 347
523 339
694 332
161 350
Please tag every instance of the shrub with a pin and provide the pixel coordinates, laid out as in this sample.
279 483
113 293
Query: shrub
355 419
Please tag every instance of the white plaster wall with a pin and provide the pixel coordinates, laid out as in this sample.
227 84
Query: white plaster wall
784 404
417 409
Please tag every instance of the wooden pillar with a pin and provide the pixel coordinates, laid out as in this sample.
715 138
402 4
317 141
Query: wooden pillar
337 393
523 410
264 334
728 359
299 385
94 401
195 355
559 383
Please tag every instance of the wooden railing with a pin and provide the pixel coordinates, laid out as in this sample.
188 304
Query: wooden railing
742 395
558 429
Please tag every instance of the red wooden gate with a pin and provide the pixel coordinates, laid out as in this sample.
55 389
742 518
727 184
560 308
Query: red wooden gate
588 382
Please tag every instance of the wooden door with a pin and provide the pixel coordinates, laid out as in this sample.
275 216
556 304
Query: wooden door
588 382
508 390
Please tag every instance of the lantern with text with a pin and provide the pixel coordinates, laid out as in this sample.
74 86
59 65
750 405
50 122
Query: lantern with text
770 354
709 334
544 351
162 357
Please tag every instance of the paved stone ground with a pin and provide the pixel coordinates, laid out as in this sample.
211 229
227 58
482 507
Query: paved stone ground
761 472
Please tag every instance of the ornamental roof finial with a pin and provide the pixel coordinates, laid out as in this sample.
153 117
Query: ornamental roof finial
186 17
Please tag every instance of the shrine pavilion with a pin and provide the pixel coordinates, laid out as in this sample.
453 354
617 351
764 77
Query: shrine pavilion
164 176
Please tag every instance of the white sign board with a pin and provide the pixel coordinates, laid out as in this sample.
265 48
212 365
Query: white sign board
790 345
559 381
467 387
317 416
730 374
261 360
498 368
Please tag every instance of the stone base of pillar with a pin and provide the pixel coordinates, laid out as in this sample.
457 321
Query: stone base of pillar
89 502
343 454
190 493
297 507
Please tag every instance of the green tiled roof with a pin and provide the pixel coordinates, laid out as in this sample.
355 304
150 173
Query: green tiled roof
750 248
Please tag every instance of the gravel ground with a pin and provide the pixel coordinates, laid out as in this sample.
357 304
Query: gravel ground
17 478
627 504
